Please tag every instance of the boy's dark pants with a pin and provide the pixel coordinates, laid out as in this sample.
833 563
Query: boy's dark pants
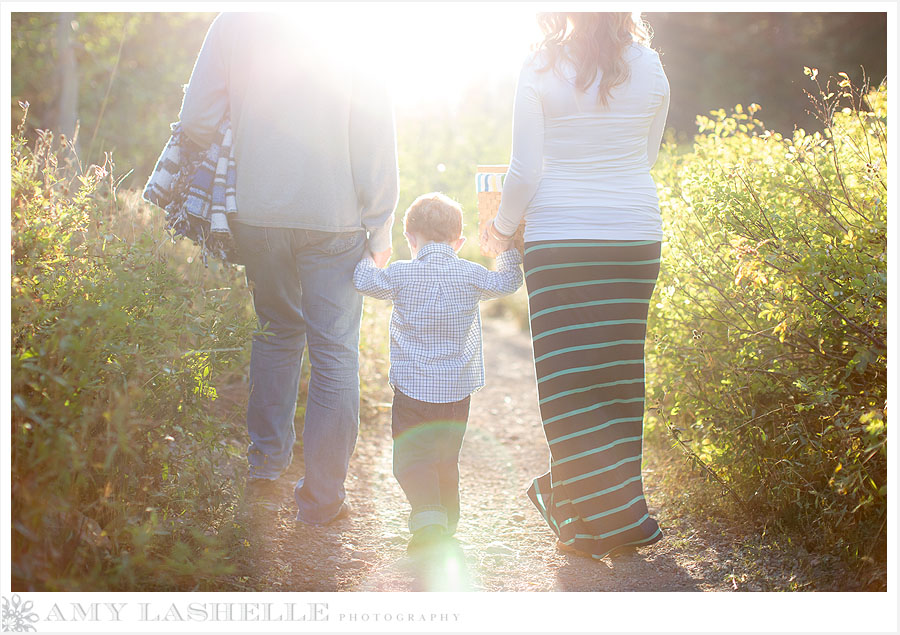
427 439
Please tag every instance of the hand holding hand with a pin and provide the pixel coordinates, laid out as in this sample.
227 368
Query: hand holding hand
493 242
381 258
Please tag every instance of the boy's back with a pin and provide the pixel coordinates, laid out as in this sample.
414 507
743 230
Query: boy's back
435 327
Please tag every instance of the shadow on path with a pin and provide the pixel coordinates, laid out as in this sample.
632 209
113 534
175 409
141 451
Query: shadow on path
633 572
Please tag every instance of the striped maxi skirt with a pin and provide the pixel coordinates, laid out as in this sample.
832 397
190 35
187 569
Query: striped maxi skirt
588 302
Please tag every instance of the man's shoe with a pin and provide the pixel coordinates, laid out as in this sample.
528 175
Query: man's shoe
263 492
343 512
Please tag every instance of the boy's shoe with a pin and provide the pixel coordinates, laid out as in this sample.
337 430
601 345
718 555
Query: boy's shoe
425 538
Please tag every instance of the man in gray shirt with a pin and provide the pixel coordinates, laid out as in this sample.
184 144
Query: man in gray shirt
317 185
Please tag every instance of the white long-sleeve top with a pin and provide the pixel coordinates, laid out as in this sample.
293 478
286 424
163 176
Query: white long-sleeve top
580 169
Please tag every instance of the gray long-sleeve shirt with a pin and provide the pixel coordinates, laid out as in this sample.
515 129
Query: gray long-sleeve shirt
314 135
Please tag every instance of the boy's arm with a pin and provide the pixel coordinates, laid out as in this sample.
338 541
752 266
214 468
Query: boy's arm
372 281
506 279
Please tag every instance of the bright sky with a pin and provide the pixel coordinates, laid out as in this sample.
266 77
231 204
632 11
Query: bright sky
430 50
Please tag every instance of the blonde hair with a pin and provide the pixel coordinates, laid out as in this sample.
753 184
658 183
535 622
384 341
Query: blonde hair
434 216
592 42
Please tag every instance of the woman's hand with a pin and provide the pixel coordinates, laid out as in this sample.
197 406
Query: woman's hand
493 242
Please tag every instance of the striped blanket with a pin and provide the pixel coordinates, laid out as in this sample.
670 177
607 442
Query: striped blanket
195 187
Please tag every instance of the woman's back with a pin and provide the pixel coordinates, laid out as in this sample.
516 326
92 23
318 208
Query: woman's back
581 168
583 135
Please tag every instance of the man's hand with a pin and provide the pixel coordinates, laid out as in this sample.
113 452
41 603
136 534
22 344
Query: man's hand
381 258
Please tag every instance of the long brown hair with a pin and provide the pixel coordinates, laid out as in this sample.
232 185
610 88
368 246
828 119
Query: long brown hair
592 42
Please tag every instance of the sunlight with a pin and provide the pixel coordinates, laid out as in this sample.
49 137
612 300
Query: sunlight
426 52
441 568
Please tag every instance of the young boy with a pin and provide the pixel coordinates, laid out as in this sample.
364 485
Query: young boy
436 358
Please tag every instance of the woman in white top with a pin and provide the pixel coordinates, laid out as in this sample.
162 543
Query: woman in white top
590 110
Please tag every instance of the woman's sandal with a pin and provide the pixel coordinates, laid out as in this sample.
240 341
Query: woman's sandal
571 550
565 548
624 550
618 552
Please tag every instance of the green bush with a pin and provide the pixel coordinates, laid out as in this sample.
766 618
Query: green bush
768 332
121 474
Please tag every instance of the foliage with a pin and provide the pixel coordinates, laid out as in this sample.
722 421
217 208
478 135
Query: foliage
131 67
769 327
728 57
120 466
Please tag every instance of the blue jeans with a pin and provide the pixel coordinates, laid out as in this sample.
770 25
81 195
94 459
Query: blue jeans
302 285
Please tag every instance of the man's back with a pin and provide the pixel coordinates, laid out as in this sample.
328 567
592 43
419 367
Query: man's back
314 134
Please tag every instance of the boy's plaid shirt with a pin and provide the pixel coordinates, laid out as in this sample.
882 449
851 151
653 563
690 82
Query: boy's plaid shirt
436 324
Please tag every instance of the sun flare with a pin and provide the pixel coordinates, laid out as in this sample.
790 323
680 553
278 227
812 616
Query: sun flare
426 52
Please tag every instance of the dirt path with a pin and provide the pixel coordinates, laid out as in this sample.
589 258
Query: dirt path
502 542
